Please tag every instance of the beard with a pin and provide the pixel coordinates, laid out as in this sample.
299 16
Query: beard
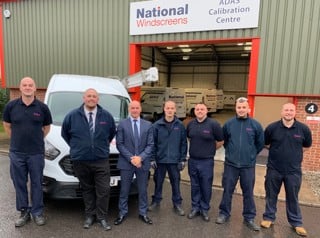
244 116
288 118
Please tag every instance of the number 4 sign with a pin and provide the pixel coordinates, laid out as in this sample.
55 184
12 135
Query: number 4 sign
311 108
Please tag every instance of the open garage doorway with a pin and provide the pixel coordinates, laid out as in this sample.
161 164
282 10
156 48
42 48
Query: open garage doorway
230 65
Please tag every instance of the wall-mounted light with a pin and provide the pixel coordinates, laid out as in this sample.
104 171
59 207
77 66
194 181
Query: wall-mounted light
186 57
7 13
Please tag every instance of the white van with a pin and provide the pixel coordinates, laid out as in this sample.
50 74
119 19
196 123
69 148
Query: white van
64 93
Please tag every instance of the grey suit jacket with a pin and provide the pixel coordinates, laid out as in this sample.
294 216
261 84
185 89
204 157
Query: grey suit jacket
125 144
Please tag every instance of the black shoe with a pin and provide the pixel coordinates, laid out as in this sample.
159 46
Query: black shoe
205 216
88 222
153 206
178 209
105 225
39 220
23 219
193 214
145 219
221 219
253 226
119 220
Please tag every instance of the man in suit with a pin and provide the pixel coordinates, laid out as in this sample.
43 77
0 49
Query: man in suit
135 144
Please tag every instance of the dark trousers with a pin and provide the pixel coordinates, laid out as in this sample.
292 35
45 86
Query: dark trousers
201 177
22 165
174 177
231 175
292 184
94 177
142 181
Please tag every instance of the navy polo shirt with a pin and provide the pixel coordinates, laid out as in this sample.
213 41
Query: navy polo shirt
203 137
286 146
26 125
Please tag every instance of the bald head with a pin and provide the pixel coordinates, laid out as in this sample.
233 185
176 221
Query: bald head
90 99
288 112
169 110
27 87
135 109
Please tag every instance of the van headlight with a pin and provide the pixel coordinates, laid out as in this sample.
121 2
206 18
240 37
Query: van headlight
50 152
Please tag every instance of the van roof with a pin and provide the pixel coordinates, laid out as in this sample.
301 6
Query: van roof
80 83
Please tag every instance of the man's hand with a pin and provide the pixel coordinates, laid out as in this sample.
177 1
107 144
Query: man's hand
153 164
181 165
136 161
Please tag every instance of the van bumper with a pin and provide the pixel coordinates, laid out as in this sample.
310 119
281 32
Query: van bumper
71 190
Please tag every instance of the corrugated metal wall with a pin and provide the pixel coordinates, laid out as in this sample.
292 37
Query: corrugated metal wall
289 60
43 37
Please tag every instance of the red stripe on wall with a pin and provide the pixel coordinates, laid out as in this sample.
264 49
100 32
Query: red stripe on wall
2 73
134 67
253 72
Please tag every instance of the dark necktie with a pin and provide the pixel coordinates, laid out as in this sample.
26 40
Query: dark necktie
91 124
136 137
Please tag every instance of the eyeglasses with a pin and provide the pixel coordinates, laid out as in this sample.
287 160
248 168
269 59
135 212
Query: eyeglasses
242 99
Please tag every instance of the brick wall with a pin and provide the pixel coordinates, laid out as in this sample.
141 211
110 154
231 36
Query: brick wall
311 160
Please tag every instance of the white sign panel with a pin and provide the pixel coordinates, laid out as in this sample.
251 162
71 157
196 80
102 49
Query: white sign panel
313 120
167 16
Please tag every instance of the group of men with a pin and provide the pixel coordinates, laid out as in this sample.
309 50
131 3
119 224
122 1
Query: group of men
89 129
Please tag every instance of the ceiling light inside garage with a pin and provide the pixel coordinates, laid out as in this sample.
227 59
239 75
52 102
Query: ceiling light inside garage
186 57
185 48
244 44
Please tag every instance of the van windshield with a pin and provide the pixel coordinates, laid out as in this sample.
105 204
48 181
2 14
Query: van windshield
61 103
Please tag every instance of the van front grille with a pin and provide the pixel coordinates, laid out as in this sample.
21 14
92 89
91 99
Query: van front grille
67 165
